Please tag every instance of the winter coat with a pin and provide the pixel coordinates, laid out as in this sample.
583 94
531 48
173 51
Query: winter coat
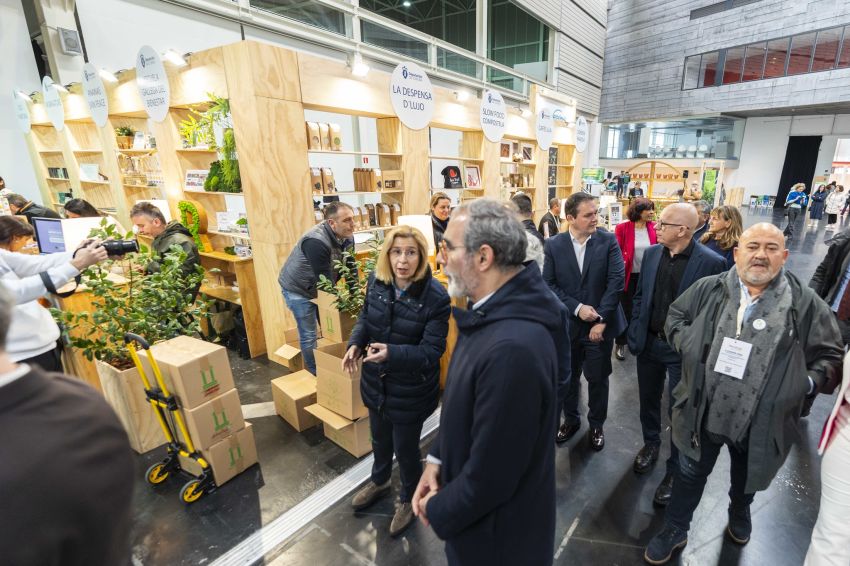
625 234
496 504
32 210
826 281
811 345
835 202
406 386
818 204
175 234
439 227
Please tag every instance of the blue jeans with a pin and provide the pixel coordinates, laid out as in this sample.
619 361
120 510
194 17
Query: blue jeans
306 316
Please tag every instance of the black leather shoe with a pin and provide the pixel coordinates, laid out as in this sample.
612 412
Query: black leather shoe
740 525
620 352
597 438
566 432
664 491
646 458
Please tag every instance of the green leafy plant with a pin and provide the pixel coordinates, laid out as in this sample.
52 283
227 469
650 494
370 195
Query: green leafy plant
199 127
350 289
190 218
125 131
157 306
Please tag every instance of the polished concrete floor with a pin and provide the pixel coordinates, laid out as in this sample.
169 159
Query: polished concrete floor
604 513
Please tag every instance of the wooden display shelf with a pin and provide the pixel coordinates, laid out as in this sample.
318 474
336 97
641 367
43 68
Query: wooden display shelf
437 189
134 151
58 179
229 234
82 182
560 165
128 186
87 151
214 193
360 193
222 293
221 256
331 152
49 151
195 150
559 186
520 163
373 229
448 158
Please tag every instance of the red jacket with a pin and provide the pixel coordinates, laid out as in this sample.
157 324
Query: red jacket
625 233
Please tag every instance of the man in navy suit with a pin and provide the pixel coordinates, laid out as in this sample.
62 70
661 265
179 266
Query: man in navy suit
584 267
668 269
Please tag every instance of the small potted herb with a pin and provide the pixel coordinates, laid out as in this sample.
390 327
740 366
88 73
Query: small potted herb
125 136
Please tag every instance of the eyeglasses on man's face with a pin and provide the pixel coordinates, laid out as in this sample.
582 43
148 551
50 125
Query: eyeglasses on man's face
661 224
446 247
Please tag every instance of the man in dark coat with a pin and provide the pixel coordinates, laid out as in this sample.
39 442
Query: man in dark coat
19 205
526 213
550 224
584 267
668 268
831 279
756 345
488 489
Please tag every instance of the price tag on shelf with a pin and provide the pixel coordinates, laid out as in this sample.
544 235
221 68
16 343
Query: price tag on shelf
94 92
152 81
412 96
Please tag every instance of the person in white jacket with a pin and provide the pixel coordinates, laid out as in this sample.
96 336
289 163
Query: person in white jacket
33 333
834 203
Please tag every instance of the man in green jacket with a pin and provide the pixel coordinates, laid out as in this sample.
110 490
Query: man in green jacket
151 222
756 345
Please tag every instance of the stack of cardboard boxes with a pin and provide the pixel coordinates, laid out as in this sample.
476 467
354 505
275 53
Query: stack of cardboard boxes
333 396
198 374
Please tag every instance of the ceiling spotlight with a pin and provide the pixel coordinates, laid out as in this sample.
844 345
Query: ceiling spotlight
406 4
107 76
359 68
174 58
462 95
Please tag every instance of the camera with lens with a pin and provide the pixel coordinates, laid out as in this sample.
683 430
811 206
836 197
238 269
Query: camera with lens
120 247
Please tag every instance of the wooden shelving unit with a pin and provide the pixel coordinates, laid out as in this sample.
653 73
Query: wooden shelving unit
560 172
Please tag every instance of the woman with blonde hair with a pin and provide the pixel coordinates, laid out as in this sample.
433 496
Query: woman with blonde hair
725 226
401 335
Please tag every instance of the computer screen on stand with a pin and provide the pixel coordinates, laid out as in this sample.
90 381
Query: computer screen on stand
48 232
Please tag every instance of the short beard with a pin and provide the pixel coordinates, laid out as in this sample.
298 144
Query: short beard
457 287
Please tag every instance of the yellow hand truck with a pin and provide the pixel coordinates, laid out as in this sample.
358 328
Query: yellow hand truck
168 413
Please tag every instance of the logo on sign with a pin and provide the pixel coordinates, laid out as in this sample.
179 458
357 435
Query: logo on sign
489 98
142 60
89 76
404 72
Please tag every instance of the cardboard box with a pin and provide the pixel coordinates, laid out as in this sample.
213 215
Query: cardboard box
194 371
291 394
336 326
316 180
314 139
353 436
227 458
214 420
325 133
289 354
328 185
336 137
318 217
335 389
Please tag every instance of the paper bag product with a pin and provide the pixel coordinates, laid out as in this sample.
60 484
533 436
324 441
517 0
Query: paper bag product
195 371
314 140
336 137
227 458
392 179
353 436
328 184
357 216
325 133
356 174
214 420
292 393
395 212
377 180
373 220
382 211
316 180
318 216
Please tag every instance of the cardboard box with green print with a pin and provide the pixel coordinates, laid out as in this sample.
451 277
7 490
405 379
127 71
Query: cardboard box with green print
194 371
214 420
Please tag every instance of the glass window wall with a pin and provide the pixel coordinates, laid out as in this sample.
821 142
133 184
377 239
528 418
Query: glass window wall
717 137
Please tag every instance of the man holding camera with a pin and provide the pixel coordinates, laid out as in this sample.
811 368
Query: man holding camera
150 222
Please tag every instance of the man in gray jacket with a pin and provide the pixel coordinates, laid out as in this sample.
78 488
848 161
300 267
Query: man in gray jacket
755 344
314 255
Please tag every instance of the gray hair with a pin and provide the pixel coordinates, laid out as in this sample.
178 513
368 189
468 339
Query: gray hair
490 222
6 305
534 252
16 200
702 207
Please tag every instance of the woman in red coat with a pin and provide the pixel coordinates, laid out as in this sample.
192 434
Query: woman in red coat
634 237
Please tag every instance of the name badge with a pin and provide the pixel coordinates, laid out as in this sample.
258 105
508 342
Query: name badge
733 358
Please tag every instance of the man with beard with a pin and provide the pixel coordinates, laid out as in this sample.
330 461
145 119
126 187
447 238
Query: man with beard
755 344
488 488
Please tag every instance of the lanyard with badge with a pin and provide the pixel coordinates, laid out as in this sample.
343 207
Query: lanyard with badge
734 354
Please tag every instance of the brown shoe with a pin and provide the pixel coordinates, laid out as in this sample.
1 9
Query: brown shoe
402 519
368 495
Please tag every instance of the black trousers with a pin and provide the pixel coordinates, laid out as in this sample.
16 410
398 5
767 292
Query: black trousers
626 298
593 359
657 361
690 478
403 440
793 213
48 361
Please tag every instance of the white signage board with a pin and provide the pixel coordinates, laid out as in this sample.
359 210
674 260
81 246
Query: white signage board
545 126
22 112
493 115
94 92
153 84
582 133
412 96
53 103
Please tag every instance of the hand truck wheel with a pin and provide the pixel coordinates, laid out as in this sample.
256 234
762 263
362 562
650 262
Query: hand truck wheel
157 473
192 491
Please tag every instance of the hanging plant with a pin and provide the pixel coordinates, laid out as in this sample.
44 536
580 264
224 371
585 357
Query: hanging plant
200 128
191 219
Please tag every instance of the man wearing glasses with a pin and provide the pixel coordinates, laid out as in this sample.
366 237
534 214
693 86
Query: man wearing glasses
668 269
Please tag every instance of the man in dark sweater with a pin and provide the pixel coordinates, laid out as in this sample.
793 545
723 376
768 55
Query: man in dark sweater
313 256
526 214
19 205
66 471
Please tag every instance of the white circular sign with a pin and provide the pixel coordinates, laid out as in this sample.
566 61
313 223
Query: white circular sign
153 83
582 134
545 128
22 112
94 92
53 103
493 115
412 95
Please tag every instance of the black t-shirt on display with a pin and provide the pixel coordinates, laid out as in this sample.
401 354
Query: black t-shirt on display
451 177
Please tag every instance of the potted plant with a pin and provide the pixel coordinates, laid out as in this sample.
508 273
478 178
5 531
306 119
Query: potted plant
213 128
157 306
125 136
242 225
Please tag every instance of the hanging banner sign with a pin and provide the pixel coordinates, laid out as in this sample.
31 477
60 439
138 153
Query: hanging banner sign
493 115
582 134
545 127
22 112
153 83
94 92
412 96
53 104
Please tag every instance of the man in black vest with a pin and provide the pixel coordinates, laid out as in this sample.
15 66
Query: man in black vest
313 256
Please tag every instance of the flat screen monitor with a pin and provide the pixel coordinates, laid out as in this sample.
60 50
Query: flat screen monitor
48 232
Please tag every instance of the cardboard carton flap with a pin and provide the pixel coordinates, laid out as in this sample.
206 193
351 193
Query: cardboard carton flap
328 417
288 352
297 385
